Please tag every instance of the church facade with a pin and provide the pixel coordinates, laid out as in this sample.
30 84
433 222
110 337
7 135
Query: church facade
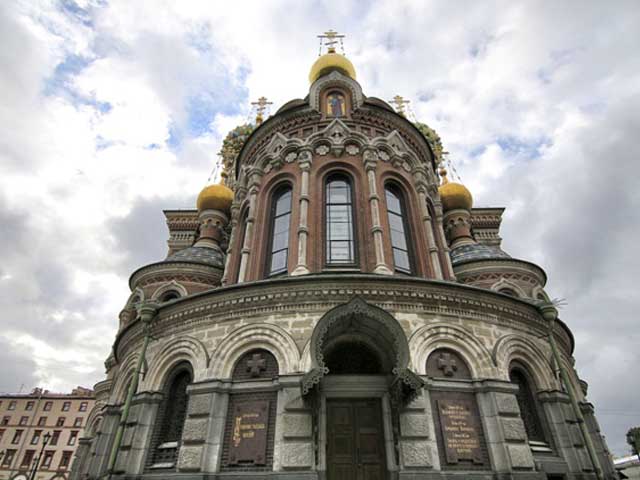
336 309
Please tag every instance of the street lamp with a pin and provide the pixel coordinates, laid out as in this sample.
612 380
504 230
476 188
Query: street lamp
45 441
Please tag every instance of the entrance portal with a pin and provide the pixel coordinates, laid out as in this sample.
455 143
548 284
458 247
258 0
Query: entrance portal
355 440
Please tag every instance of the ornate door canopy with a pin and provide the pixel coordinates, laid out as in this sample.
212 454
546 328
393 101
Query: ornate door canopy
372 325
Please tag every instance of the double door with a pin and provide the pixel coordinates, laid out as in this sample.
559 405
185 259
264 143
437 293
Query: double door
355 440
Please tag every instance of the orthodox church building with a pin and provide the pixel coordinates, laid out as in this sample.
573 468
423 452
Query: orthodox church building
337 309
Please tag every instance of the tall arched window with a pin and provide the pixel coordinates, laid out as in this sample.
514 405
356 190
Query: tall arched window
170 419
280 225
398 229
340 246
528 406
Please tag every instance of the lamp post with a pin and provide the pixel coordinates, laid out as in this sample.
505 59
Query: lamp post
45 441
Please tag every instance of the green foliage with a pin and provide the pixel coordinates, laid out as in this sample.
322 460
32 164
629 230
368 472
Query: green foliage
432 138
633 439
232 144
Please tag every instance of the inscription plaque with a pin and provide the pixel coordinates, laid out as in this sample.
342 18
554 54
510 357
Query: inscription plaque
249 434
460 430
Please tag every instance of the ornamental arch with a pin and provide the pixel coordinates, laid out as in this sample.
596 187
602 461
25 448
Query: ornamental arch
169 354
255 336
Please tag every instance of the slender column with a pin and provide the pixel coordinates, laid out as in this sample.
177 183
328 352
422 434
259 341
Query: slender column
432 246
232 236
147 314
370 163
447 267
304 160
550 313
248 232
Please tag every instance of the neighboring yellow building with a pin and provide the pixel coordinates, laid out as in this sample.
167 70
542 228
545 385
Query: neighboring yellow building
25 421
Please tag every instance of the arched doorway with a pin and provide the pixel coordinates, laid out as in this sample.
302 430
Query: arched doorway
358 381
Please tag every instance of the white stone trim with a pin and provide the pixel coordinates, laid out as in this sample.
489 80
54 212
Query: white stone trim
258 335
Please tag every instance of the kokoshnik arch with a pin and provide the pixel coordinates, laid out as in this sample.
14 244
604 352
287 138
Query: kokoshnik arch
336 309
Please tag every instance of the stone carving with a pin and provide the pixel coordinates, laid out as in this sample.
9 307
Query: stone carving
291 156
384 156
256 364
447 364
322 150
352 149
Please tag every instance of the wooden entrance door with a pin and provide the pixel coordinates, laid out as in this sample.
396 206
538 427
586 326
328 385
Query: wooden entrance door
355 440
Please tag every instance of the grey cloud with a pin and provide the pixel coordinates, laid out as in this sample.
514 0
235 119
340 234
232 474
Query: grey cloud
17 370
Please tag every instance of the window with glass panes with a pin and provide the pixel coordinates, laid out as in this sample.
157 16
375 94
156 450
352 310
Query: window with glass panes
280 224
340 244
398 230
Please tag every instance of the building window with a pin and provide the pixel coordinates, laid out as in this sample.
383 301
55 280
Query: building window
12 405
29 405
72 438
280 225
42 421
54 438
8 457
83 405
36 437
1 434
6 419
17 436
527 404
24 420
47 406
340 244
48 458
398 229
28 458
66 406
165 297
171 417
65 459
77 422
60 422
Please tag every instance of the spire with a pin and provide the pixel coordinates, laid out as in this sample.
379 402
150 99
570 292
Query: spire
399 104
331 60
261 105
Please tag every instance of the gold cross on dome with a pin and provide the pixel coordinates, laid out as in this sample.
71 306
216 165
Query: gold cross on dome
330 38
261 106
399 102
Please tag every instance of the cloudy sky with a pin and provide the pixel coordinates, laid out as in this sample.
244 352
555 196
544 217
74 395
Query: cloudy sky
111 111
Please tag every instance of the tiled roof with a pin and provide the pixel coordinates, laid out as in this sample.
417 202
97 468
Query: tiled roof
205 255
475 251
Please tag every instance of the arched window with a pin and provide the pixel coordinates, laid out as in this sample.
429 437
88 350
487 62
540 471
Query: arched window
396 212
280 225
169 295
170 419
509 291
528 405
340 244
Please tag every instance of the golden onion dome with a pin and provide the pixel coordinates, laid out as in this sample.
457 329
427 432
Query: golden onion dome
454 195
215 197
331 61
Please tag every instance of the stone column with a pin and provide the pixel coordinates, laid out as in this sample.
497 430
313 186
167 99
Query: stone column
255 175
137 437
370 158
418 446
81 458
304 161
294 435
232 236
432 246
447 267
108 429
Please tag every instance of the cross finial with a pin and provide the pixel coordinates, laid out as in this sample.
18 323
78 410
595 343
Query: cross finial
330 39
261 106
399 102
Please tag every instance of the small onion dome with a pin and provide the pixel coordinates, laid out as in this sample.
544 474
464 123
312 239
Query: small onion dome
215 197
331 61
454 195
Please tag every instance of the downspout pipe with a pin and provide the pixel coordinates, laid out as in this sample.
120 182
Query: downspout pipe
147 314
550 313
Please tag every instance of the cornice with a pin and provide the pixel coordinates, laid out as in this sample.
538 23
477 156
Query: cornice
319 293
